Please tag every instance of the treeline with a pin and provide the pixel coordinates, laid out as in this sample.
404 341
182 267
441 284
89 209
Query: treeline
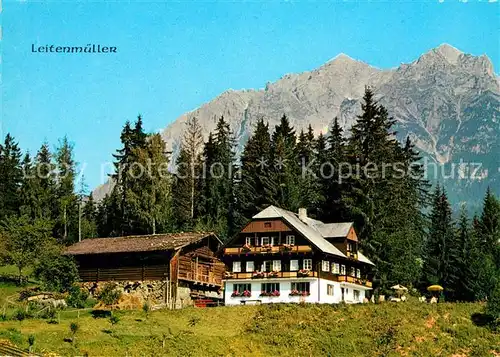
367 177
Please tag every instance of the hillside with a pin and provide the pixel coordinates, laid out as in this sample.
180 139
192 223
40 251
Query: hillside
389 329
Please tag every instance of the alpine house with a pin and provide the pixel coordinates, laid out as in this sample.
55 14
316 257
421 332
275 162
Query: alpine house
281 256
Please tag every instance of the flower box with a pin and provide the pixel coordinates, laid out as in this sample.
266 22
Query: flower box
245 293
258 275
246 248
303 272
270 294
228 275
286 247
273 274
299 293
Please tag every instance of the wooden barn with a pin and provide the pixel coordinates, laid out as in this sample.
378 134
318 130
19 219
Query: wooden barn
182 267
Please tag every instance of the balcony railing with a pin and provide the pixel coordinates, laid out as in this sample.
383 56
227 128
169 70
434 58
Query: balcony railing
354 280
264 250
271 275
211 278
296 274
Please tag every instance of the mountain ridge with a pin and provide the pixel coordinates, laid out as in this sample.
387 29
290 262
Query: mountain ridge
435 99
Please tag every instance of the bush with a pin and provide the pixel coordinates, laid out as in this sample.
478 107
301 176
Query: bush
56 272
77 297
114 319
109 295
19 315
493 306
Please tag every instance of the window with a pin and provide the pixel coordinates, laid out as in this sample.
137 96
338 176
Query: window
329 289
307 264
242 287
325 265
248 240
356 295
358 273
236 267
267 225
336 268
265 241
353 271
302 287
270 287
290 240
349 247
276 265
274 240
266 265
342 269
250 267
294 265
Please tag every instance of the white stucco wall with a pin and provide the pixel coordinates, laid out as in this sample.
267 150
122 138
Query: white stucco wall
318 289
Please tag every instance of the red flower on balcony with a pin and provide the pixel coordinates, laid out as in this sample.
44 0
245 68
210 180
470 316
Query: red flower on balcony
299 293
257 275
274 293
303 272
246 248
246 293
273 274
235 294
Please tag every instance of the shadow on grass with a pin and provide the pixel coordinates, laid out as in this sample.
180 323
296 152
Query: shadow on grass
481 319
100 314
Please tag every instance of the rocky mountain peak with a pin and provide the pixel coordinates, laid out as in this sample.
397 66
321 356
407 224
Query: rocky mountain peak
448 52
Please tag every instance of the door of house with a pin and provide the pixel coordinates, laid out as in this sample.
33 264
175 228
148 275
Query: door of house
342 291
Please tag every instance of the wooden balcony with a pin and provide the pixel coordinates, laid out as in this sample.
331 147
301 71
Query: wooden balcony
203 279
354 280
277 275
268 250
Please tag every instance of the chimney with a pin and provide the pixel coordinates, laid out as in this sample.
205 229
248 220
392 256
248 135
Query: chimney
302 213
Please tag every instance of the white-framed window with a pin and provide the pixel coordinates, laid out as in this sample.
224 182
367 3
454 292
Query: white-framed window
265 241
342 269
236 267
294 265
307 264
349 247
250 267
303 287
248 240
266 265
290 240
353 271
325 265
242 287
358 273
356 295
276 265
329 289
270 287
335 268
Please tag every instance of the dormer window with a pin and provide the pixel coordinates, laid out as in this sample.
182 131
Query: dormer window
267 224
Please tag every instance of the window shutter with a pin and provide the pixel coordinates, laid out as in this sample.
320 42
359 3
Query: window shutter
277 265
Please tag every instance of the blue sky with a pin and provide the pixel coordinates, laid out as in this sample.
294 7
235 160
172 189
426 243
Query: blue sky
174 56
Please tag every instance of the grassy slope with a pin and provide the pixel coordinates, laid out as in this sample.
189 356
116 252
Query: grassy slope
410 329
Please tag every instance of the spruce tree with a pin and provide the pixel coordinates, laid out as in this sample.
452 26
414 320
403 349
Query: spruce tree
442 262
189 165
11 176
255 163
66 214
282 186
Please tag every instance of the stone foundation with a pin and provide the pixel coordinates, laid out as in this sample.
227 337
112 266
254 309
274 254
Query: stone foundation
152 291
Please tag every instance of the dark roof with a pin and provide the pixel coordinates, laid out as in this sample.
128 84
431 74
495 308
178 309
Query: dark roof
144 243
